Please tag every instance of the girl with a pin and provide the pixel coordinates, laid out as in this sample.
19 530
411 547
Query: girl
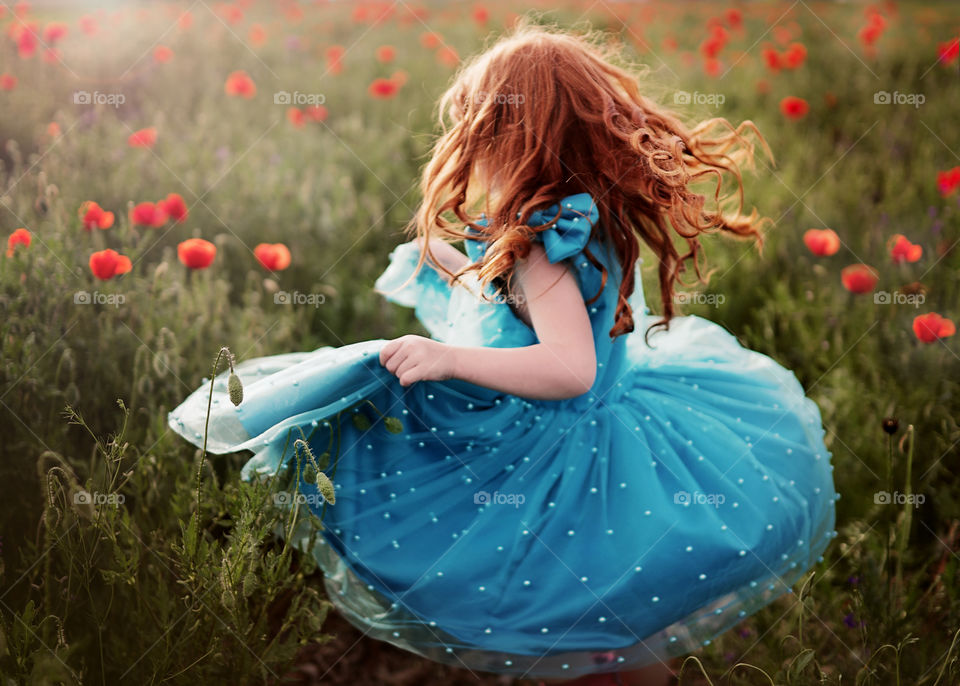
578 489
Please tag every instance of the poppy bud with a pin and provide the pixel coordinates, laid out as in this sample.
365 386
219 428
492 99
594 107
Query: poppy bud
235 388
361 421
326 488
393 424
890 425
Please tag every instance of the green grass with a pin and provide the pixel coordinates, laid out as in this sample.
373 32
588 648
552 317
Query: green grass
130 593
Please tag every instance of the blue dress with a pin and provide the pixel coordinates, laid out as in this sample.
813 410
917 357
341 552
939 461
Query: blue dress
686 490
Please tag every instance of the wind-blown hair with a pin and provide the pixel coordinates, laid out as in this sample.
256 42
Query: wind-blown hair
543 114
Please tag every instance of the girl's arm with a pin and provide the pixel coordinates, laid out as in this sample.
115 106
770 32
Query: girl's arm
446 254
562 364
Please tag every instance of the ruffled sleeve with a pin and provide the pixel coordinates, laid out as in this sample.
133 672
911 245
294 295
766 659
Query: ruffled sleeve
426 292
571 232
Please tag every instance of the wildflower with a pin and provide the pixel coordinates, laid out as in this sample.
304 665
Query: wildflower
144 138
94 217
902 250
108 263
174 206
793 107
273 256
931 327
148 214
383 88
196 253
859 278
18 237
239 84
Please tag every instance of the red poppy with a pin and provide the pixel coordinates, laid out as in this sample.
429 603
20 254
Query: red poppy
88 24
822 242
316 112
386 54
793 107
185 21
383 88
447 56
399 77
94 217
7 82
772 59
148 214
948 181
949 51
295 116
334 56
481 15
902 250
162 54
27 40
240 84
859 278
108 263
782 34
273 256
231 13
430 40
257 35
53 129
734 18
174 206
18 237
931 327
144 138
794 56
54 31
871 33
196 253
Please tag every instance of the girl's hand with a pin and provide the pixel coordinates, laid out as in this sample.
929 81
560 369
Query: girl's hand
415 358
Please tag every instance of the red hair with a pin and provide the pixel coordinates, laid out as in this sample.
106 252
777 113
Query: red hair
543 114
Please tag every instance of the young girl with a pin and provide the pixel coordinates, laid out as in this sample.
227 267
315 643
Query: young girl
578 487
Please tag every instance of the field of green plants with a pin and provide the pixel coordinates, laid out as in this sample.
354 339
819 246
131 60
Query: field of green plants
176 176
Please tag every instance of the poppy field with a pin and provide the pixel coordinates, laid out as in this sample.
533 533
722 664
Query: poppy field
180 177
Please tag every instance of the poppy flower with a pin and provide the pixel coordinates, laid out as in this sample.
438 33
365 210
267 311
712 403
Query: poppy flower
859 278
734 18
712 67
18 237
295 116
794 56
240 84
148 214
53 129
231 13
822 242
430 40
793 107
108 263
162 54
902 250
949 51
94 217
257 35
316 112
185 21
174 206
88 24
386 54
772 59
931 327
399 77
53 32
448 57
383 88
144 138
948 181
273 256
7 82
196 253
27 40
334 55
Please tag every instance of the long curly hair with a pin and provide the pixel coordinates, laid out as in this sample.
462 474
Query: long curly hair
542 114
